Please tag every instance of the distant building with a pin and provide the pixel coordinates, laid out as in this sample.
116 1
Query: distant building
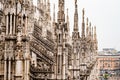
109 63
109 50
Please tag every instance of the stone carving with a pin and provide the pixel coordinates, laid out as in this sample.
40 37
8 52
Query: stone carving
56 54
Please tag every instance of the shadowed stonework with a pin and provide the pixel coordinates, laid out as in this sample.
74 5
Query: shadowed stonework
41 48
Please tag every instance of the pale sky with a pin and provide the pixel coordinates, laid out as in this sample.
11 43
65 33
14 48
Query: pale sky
105 14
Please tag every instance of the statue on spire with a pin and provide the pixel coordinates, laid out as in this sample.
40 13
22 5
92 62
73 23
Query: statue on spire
83 24
61 1
87 21
61 15
75 1
87 27
83 11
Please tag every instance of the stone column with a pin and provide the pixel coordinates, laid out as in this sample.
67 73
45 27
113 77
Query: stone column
7 24
72 67
5 63
27 62
26 76
5 69
25 70
14 26
10 23
19 67
23 26
63 67
9 70
26 26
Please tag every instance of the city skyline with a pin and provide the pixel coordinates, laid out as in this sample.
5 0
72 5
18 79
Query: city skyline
102 14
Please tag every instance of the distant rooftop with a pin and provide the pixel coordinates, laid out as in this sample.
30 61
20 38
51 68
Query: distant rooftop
109 51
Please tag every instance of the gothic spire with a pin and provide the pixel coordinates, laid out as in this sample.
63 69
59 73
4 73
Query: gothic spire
76 18
61 15
67 19
48 9
95 36
48 4
90 29
44 3
54 13
87 27
92 33
83 23
41 4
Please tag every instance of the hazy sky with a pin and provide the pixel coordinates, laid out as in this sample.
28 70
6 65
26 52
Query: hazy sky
105 14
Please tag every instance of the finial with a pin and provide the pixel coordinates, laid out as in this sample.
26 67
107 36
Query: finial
75 4
87 26
92 31
95 32
67 20
83 11
67 11
83 24
90 24
90 28
76 17
67 17
87 20
95 29
95 36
